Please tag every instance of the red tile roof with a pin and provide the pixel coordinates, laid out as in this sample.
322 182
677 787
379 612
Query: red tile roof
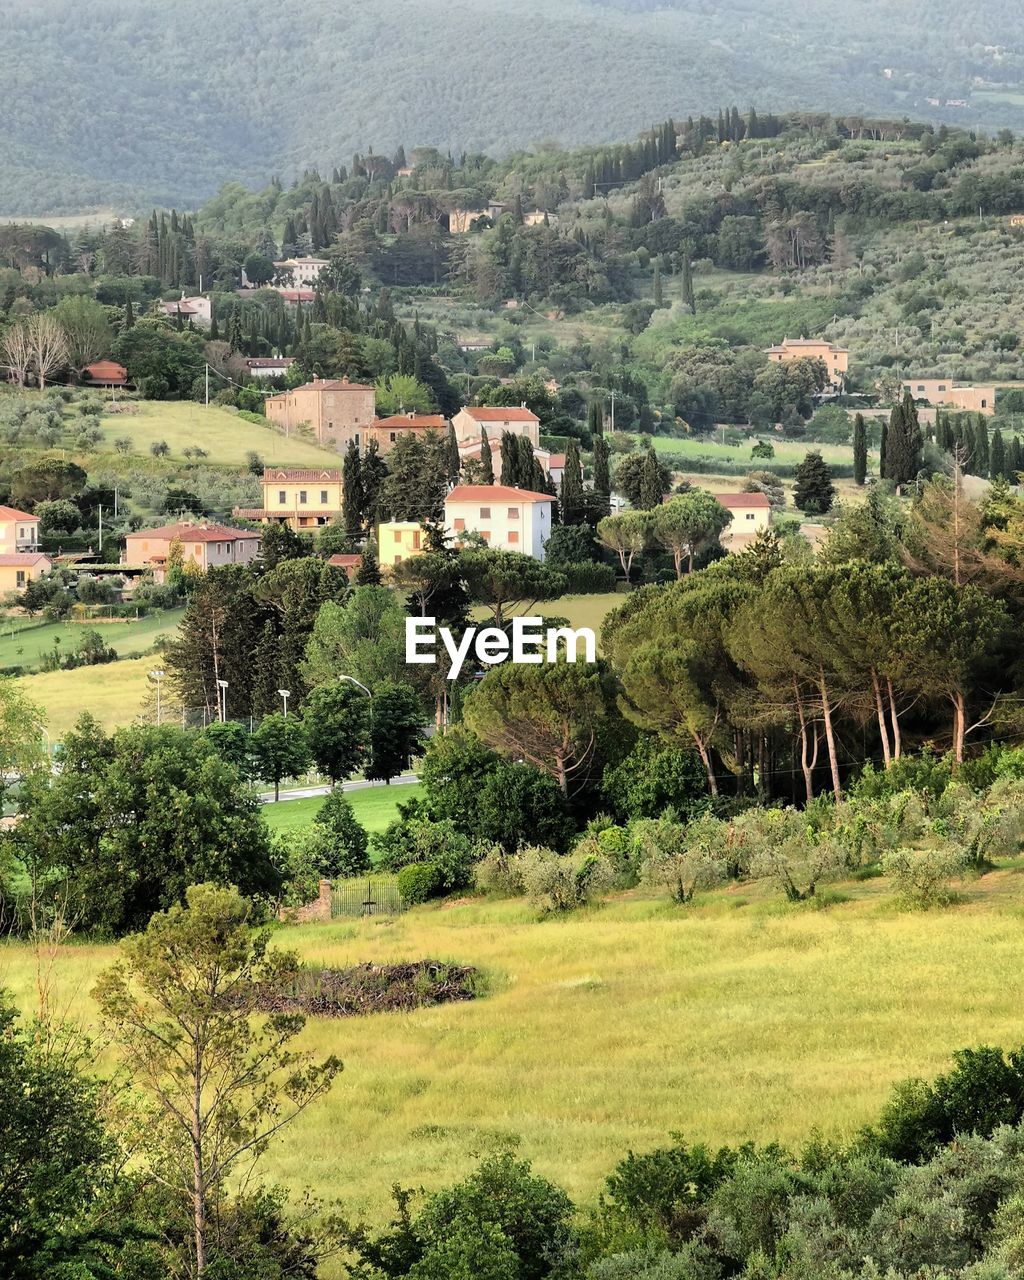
742 499
557 460
283 474
345 562
106 371
496 493
297 295
19 559
486 413
189 533
12 513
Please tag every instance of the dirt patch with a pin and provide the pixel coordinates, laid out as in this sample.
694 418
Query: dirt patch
374 988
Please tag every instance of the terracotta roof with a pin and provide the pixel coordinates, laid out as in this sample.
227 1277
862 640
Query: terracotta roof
18 559
297 295
496 493
486 413
789 343
106 371
556 460
12 513
328 475
742 499
196 533
410 422
345 562
249 513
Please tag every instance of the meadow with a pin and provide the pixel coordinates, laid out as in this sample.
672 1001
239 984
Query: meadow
115 693
737 1018
374 808
23 641
225 436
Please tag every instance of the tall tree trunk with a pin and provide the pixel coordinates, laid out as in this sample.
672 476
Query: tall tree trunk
706 758
959 726
806 763
198 1177
883 728
830 737
894 716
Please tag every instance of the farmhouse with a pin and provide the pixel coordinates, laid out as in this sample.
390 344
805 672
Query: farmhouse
18 530
387 430
469 422
303 499
836 359
299 273
269 368
944 393
204 546
397 540
104 373
190 310
18 569
507 519
336 411
751 512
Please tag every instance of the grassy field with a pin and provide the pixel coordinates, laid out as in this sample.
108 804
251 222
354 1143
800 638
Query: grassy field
226 437
114 693
374 808
23 642
582 611
737 1018
786 451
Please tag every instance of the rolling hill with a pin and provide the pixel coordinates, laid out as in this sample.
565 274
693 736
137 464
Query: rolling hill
110 102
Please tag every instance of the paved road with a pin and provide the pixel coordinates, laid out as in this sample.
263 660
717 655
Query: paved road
306 793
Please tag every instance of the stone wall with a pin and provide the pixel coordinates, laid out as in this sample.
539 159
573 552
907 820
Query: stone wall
318 911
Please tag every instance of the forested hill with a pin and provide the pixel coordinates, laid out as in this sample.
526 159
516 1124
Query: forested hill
119 102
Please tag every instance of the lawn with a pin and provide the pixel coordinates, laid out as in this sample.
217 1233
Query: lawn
789 452
738 1018
225 437
374 808
23 641
582 611
114 693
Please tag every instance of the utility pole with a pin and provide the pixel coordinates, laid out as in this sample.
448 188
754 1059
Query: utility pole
101 526
613 413
157 678
207 386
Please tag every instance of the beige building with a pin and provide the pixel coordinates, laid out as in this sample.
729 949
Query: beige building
302 499
751 512
397 540
507 519
836 359
18 531
204 546
18 569
300 273
944 393
337 411
387 430
469 423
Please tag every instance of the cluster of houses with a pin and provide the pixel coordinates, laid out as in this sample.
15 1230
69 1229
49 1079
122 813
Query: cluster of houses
21 561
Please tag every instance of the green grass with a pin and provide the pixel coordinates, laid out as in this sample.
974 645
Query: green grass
114 693
786 451
374 808
23 642
738 1018
582 611
226 437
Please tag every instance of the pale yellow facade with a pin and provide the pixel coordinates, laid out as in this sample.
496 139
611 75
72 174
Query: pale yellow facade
398 540
836 359
18 570
944 393
302 499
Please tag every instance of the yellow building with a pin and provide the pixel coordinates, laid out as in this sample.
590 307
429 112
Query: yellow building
397 540
18 569
304 499
943 392
18 530
836 359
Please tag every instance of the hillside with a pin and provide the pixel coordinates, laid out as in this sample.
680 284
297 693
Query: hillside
105 104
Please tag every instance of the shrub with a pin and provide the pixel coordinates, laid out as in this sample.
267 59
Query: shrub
499 875
653 778
419 882
346 839
680 859
559 884
585 578
667 1188
922 876
409 841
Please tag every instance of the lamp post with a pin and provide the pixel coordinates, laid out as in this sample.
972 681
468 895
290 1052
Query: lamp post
157 678
222 701
285 694
369 693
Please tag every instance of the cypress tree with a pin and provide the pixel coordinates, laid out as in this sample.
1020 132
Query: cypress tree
486 459
368 573
454 458
526 464
651 492
1015 460
883 448
509 458
602 471
571 496
981 450
129 314
687 281
997 457
860 449
659 301
903 443
352 490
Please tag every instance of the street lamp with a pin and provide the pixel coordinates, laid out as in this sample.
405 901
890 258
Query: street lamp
222 701
157 677
285 694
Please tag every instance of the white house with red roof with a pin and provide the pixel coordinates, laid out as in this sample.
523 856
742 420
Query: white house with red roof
203 546
196 311
751 512
496 420
507 519
19 531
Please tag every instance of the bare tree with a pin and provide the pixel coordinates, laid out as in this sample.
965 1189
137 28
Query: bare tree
16 352
48 346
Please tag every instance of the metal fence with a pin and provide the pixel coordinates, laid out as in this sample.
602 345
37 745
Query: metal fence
367 896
